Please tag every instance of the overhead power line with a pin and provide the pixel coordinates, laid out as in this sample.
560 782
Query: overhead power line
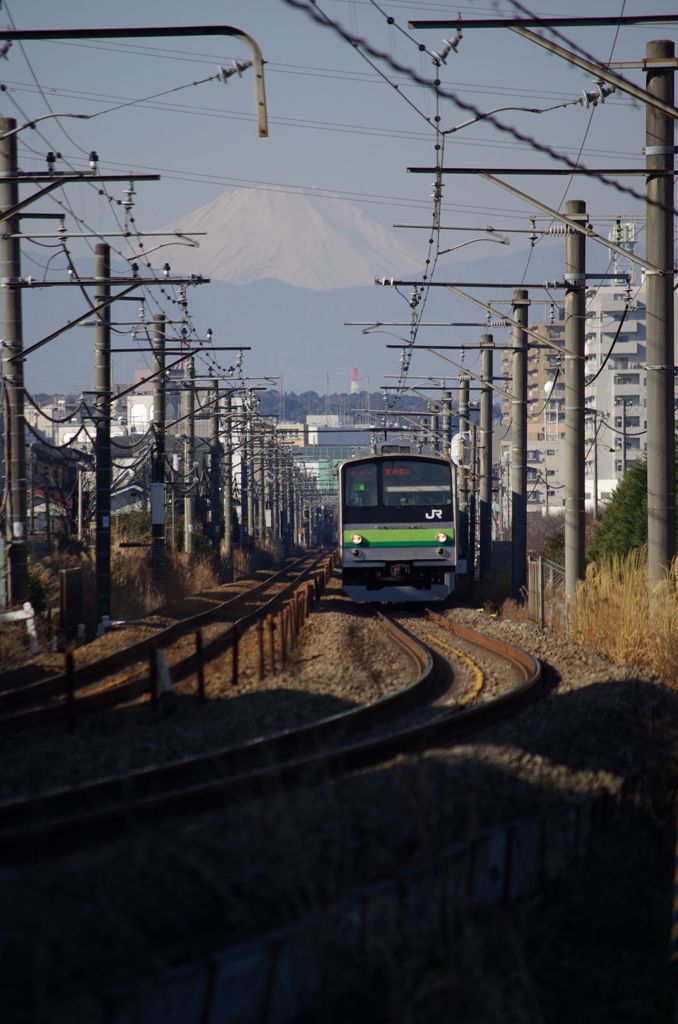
317 15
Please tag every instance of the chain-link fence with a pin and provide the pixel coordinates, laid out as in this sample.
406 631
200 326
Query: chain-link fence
546 593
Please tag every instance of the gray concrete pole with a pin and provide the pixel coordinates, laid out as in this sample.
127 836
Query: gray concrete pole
13 372
463 472
472 505
215 467
262 487
80 501
462 485
520 304
227 547
244 480
277 487
270 484
249 453
485 511
290 501
595 467
575 332
188 411
659 156
435 436
159 418
104 467
447 423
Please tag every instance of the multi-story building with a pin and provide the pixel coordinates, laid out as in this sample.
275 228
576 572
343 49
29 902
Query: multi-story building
546 418
616 356
615 395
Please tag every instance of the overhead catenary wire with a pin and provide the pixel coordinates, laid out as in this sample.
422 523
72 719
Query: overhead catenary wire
313 11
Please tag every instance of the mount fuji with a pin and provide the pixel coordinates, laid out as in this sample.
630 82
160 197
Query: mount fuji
318 244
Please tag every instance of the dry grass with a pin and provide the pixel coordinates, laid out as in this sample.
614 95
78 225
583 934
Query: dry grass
136 590
614 613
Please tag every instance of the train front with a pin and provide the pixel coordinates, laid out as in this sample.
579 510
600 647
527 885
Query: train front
397 530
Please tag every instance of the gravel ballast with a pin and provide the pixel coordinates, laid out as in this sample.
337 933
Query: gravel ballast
151 899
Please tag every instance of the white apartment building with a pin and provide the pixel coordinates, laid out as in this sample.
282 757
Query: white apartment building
616 425
616 356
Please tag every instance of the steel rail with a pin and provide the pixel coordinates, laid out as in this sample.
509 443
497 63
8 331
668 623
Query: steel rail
68 811
85 675
36 826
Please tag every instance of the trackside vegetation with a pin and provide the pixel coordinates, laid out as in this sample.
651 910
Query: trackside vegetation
613 611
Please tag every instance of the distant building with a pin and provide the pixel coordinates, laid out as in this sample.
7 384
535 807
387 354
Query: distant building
616 395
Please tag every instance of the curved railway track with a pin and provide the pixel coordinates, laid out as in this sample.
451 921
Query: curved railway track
134 668
39 826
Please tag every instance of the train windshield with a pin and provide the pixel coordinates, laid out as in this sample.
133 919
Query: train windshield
415 482
361 486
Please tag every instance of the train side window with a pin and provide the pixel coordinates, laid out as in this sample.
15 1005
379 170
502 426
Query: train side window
361 486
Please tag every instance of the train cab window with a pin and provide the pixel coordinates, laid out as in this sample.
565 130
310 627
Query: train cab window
415 482
361 486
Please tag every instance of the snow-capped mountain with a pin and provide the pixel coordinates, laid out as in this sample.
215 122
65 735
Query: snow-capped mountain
320 244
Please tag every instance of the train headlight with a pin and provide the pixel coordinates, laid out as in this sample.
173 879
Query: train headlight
441 551
356 552
356 539
441 537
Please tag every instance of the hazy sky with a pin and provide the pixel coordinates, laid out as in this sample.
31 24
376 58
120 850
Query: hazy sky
336 124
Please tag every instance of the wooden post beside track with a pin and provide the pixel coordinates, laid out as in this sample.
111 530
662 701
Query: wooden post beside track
235 647
271 641
70 691
260 646
200 666
283 639
153 675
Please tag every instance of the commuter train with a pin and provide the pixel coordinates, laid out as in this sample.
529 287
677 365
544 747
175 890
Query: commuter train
398 526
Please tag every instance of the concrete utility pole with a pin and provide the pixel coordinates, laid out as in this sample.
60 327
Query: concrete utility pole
248 463
485 511
277 491
241 430
104 467
595 466
462 544
659 156
575 333
158 463
289 495
447 423
227 548
188 411
13 369
520 303
262 487
472 505
435 437
215 468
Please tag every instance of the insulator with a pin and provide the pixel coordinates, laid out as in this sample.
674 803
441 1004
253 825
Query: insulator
557 230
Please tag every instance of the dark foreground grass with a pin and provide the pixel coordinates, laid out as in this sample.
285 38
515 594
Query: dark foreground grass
591 948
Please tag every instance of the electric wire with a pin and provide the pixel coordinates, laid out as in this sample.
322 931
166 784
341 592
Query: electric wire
311 9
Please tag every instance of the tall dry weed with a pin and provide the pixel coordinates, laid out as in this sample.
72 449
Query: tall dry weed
614 613
136 590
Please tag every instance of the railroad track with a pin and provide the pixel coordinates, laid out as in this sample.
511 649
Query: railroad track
137 668
38 827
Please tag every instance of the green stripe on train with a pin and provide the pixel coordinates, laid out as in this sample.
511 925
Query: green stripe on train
398 538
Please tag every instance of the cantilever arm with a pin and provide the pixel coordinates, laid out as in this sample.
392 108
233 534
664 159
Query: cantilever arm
159 32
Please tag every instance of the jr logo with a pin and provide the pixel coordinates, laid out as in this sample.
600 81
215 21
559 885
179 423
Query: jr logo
435 513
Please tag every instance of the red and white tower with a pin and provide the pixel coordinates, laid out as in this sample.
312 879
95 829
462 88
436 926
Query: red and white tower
355 386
